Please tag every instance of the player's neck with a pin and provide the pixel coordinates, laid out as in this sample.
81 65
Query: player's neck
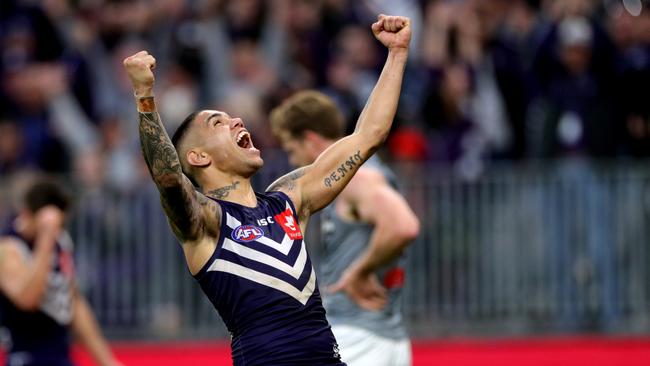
233 189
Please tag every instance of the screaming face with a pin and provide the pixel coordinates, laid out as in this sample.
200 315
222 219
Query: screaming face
226 144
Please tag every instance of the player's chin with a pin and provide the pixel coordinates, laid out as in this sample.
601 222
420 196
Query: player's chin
258 162
253 164
254 157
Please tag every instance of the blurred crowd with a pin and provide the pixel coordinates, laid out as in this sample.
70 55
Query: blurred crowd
487 79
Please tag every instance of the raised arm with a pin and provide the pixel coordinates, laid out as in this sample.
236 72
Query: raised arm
314 186
183 206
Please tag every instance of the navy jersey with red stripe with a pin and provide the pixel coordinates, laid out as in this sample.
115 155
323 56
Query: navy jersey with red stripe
261 281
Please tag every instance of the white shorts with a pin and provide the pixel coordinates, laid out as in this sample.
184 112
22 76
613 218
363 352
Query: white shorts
360 347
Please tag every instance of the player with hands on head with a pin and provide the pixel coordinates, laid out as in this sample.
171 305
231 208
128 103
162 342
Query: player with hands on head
246 248
40 304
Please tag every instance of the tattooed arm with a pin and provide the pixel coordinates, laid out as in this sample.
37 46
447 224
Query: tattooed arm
177 194
313 187
186 209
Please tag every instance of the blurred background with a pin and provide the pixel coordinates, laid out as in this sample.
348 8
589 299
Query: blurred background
522 142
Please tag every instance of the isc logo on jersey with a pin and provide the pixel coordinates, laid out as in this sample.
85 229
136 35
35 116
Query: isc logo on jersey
246 233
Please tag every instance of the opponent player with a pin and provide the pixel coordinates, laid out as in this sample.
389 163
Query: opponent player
364 233
245 248
39 300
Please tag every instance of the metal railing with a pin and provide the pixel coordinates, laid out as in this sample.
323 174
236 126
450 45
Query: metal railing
523 249
542 248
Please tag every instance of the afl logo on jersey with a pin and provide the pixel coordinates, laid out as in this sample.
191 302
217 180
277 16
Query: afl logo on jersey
246 233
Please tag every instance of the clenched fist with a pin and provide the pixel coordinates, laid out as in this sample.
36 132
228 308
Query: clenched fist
393 32
139 68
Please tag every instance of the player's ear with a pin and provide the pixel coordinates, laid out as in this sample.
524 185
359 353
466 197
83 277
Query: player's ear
198 158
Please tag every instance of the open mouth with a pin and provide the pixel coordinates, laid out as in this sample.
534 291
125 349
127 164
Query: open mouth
244 140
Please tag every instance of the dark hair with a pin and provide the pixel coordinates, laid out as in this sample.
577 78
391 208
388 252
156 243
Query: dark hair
177 139
44 193
308 110
182 129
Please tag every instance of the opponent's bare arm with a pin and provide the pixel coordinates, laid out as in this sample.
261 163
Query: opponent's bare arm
186 209
394 224
24 282
314 186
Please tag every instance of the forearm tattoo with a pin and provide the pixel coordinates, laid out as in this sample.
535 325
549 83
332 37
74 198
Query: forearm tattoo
157 148
176 191
223 192
347 167
146 104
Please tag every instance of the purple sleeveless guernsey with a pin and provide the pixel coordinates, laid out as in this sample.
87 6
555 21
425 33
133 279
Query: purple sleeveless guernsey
261 281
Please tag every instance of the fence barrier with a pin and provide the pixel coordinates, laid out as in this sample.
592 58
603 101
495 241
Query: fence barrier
523 249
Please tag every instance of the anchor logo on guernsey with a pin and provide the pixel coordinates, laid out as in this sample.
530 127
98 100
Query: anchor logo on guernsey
288 224
246 233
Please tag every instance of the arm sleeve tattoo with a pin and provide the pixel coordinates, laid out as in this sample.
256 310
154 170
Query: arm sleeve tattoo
159 153
287 182
176 191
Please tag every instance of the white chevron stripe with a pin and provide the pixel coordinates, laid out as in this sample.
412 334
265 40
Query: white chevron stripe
221 265
295 271
231 221
283 247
